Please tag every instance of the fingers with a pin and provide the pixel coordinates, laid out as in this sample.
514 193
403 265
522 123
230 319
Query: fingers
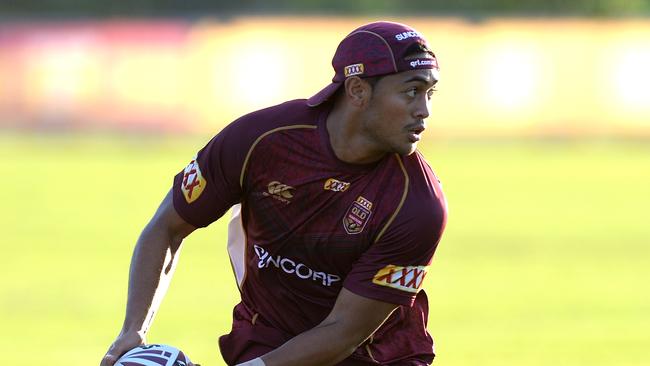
113 354
122 344
108 360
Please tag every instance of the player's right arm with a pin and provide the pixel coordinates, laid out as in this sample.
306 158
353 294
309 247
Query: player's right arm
152 266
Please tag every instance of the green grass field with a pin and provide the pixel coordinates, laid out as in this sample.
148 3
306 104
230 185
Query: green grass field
543 263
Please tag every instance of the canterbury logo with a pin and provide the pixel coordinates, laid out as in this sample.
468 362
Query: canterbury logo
351 70
407 278
279 191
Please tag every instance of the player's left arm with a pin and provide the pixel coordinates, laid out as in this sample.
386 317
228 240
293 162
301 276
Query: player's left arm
353 319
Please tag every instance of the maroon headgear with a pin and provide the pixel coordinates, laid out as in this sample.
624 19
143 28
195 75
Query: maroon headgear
374 49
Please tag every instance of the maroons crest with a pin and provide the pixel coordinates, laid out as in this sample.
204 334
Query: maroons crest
357 216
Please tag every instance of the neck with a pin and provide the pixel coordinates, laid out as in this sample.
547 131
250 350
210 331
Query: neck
347 137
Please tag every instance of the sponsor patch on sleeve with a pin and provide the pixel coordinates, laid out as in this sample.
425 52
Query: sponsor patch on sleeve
193 182
408 279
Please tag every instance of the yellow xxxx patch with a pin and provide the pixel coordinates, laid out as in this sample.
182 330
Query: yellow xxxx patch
407 278
193 182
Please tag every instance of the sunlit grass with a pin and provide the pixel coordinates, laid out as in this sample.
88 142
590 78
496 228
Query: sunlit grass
544 261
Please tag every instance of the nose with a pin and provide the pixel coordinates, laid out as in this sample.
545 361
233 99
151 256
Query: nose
422 108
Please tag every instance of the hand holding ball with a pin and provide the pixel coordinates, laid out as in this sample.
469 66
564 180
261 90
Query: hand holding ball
154 355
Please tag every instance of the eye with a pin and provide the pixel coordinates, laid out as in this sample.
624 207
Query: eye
430 93
411 93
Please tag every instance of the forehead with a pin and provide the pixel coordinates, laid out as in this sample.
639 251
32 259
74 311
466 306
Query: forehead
427 77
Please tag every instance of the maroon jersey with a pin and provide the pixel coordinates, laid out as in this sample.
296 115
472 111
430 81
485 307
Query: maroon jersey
305 224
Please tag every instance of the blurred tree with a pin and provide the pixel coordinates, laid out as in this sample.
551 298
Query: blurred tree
78 8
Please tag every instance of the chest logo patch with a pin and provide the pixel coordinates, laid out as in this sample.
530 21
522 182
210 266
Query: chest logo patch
357 216
335 185
407 279
279 191
193 182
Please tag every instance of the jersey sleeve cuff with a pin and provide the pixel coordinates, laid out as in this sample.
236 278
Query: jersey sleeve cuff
180 206
387 295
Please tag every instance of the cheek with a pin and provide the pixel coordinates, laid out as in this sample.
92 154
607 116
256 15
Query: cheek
389 115
396 113
393 106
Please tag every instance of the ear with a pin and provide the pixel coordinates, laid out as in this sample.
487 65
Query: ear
357 91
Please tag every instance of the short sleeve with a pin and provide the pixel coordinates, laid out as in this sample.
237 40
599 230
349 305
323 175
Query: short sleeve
213 181
209 185
394 267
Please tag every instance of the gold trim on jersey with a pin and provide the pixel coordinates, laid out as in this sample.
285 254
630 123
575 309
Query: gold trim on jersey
250 151
368 343
401 202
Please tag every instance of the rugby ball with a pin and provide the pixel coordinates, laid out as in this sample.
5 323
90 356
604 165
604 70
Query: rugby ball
154 355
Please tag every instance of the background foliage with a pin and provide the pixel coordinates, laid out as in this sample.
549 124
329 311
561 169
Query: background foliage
365 7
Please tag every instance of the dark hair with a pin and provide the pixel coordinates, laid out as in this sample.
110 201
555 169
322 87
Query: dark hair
372 80
415 49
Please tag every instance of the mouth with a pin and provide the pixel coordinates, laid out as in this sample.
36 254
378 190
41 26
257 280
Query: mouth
414 133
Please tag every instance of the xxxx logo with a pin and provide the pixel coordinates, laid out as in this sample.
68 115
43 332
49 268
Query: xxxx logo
407 278
193 182
351 70
279 191
336 185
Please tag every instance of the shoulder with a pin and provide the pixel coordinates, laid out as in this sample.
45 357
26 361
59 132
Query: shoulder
241 135
423 181
423 207
419 170
285 115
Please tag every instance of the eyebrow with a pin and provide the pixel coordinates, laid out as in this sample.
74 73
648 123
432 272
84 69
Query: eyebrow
421 79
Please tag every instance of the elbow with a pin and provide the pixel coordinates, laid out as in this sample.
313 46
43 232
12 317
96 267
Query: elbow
347 346
351 338
175 243
166 236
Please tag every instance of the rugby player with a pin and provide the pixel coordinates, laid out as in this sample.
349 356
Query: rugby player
336 216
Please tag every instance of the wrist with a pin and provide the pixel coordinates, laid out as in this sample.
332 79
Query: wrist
133 324
255 362
135 333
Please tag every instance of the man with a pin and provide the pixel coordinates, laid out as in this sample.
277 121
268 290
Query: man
336 216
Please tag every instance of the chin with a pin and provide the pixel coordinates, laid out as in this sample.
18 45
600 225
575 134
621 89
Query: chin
406 150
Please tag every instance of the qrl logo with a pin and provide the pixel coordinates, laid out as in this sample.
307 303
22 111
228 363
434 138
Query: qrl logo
425 62
407 278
